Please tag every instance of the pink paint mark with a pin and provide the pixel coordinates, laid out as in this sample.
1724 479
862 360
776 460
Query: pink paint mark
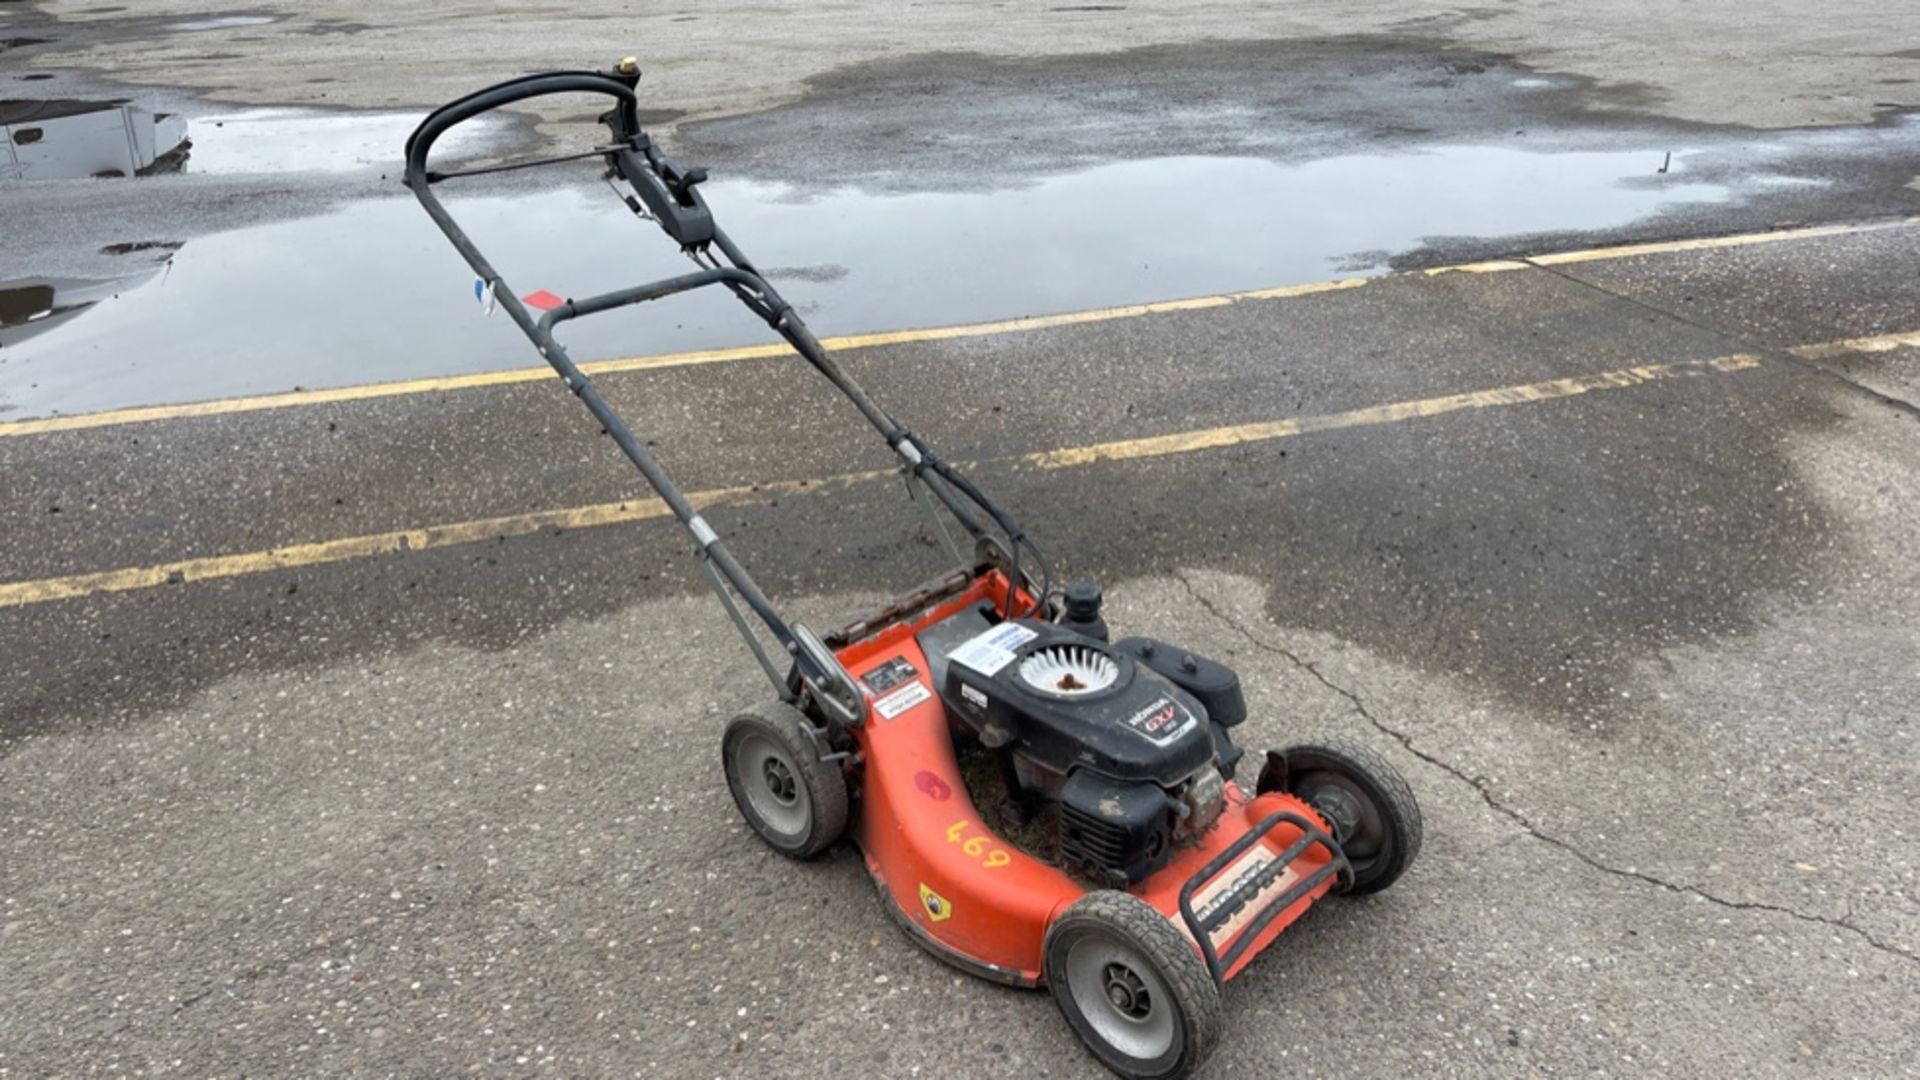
934 787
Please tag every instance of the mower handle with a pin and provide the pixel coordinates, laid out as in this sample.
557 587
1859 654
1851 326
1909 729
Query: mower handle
664 193
666 190
460 110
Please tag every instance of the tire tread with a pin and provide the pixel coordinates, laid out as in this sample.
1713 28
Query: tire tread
826 784
1176 958
1401 808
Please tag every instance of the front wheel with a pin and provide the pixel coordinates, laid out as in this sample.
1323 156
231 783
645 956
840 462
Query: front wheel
1132 987
1374 816
795 801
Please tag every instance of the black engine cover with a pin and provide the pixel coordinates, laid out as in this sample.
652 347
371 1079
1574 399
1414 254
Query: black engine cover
1140 727
1215 685
1131 755
1113 831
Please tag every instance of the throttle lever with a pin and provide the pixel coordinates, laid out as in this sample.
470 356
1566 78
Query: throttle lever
682 182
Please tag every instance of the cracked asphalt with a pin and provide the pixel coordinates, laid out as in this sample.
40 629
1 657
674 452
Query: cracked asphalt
1513 815
1645 654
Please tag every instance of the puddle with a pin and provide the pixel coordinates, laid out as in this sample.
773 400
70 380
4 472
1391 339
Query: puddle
36 305
308 141
60 139
220 22
372 291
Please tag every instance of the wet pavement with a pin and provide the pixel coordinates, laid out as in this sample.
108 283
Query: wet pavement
1062 186
412 770
862 259
1774 67
1115 234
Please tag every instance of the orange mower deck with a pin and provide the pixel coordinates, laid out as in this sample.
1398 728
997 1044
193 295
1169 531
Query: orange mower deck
977 901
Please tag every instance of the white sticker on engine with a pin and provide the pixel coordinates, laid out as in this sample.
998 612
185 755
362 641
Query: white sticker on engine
990 650
902 699
978 698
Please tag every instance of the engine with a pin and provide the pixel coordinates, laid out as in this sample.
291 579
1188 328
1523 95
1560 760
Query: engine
1129 739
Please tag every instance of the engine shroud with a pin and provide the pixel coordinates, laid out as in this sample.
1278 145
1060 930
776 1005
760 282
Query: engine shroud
1130 756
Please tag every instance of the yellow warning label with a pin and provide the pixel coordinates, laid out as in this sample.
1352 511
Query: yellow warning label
937 907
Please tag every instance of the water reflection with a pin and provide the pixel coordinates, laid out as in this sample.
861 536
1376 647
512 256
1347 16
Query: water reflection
309 141
62 139
373 292
66 139
36 305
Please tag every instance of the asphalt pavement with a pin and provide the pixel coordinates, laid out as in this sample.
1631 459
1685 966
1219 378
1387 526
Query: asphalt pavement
1612 556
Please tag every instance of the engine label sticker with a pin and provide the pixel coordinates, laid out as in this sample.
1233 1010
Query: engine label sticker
902 699
889 675
1161 722
974 697
990 650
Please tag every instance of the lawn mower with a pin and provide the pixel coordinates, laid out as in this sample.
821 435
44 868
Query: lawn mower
1037 803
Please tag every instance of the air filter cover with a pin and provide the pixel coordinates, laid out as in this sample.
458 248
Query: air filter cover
1069 670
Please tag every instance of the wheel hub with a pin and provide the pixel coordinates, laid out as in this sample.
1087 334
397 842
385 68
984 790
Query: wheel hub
1340 808
779 779
1123 999
1127 992
775 788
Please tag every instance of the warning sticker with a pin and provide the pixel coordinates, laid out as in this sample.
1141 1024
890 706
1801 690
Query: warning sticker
989 651
938 910
902 699
889 675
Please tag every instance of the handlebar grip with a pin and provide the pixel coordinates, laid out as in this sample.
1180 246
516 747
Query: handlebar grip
506 93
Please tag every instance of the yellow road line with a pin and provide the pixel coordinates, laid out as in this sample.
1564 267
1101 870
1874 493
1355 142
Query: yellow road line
1708 243
1877 343
1186 442
1491 266
148 413
21 593
213 567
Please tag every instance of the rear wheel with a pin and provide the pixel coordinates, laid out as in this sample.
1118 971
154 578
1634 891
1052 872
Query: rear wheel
1372 810
1132 987
795 801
